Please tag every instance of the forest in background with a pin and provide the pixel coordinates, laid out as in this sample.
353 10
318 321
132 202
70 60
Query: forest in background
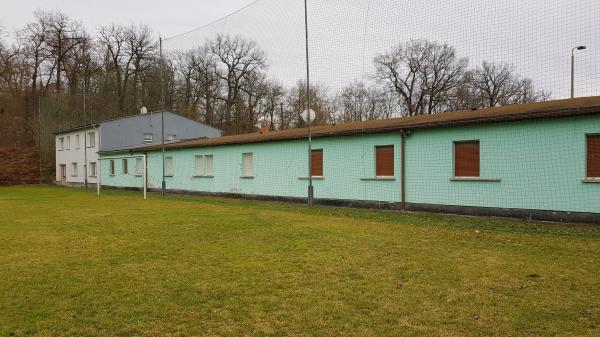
55 74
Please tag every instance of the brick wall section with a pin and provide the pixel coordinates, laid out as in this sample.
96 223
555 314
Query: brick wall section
19 165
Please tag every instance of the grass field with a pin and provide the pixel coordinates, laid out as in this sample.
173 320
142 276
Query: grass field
76 264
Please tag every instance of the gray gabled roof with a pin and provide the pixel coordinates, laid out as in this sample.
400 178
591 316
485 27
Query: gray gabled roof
95 124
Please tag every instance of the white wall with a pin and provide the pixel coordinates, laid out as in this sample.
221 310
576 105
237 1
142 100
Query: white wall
75 154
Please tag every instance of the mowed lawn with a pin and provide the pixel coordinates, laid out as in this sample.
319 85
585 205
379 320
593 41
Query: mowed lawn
76 264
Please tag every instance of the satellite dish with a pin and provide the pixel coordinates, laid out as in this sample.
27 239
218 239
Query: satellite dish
143 110
308 115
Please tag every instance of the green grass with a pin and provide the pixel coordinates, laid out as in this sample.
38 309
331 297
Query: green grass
76 264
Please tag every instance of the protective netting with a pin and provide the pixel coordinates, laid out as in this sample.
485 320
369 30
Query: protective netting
534 37
379 59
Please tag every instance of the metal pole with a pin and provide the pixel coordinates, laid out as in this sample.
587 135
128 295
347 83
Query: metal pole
162 118
145 178
573 73
85 163
310 180
99 174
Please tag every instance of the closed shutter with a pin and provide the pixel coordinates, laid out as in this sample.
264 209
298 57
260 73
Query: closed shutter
317 163
248 164
384 161
209 165
169 166
199 165
593 156
466 159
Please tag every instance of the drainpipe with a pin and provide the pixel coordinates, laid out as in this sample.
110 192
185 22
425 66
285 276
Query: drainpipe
403 167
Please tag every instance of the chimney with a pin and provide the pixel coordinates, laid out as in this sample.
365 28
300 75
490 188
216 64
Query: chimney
265 127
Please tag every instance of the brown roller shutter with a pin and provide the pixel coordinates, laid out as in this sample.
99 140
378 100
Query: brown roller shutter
384 161
317 163
593 156
466 159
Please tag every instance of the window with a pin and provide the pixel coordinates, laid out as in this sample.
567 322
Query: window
384 161
112 167
61 143
169 166
204 166
74 170
466 159
125 166
68 142
593 156
93 169
247 165
147 137
91 139
171 137
76 141
139 166
317 163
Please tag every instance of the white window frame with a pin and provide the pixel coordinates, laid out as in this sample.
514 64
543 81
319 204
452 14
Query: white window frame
169 168
139 166
91 139
171 137
61 144
125 166
93 168
68 143
204 165
248 165
77 141
148 137
111 167
74 169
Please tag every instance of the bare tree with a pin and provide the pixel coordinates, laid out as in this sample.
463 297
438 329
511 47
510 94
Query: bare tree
421 73
492 84
238 58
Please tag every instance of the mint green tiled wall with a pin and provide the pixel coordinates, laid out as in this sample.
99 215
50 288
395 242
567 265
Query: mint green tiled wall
277 169
540 165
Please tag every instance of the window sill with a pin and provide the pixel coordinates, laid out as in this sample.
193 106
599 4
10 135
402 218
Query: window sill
591 180
379 178
139 175
168 176
92 177
111 175
204 177
247 177
313 178
484 180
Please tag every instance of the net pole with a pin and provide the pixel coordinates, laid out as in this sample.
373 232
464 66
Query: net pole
308 112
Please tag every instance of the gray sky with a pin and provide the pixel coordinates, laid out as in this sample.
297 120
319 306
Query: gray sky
165 17
536 36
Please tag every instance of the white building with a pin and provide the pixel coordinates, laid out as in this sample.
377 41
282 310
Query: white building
77 148
76 153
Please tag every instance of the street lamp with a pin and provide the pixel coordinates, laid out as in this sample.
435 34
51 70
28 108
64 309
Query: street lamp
573 68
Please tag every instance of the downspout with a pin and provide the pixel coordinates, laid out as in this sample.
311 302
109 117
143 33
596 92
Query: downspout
403 168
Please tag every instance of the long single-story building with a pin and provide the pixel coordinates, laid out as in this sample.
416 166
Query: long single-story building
538 161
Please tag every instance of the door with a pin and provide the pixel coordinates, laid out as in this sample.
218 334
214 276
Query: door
63 173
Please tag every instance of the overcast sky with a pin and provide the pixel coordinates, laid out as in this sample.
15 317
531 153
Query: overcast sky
536 36
165 17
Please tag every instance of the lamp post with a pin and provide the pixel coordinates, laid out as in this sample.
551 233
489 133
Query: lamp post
573 68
